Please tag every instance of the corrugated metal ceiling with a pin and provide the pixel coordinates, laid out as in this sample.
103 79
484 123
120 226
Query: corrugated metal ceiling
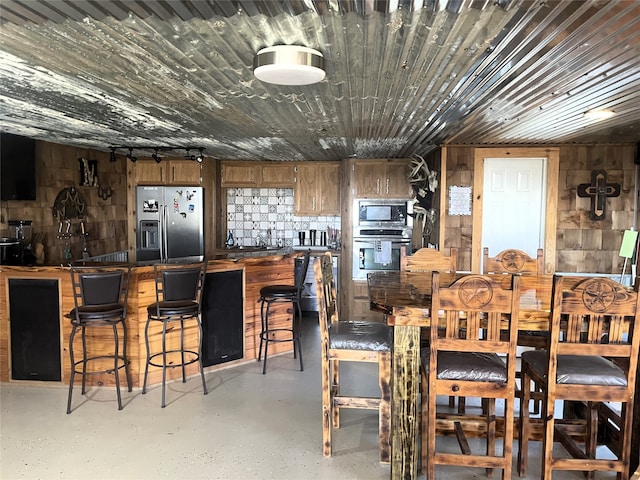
402 76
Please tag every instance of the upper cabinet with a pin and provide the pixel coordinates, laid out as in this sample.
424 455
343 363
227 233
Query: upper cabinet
317 190
257 174
277 175
386 178
167 172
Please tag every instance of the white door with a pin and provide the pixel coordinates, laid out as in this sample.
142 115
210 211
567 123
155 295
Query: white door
513 208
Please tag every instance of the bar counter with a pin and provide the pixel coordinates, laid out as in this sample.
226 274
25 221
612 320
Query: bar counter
257 268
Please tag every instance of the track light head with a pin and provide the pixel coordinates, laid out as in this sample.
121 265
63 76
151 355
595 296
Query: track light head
112 157
130 155
200 157
156 157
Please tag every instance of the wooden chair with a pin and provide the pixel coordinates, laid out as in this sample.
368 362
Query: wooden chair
463 360
516 261
352 341
429 260
592 359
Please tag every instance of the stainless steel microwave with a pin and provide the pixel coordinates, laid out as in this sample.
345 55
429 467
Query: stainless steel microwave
383 212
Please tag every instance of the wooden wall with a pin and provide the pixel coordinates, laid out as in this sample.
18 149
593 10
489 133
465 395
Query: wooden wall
57 167
582 245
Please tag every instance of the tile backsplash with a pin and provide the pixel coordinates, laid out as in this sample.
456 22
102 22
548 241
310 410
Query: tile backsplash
254 212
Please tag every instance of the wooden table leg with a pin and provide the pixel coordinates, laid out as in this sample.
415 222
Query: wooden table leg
404 403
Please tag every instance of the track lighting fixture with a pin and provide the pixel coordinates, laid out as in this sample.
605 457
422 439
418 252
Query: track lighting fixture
156 151
200 157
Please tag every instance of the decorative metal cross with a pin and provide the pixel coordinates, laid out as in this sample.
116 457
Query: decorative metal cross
598 190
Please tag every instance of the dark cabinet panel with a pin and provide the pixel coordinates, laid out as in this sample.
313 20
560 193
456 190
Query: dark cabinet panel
35 329
222 317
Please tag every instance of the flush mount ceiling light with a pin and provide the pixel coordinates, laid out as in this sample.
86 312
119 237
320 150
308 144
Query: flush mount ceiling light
599 114
289 65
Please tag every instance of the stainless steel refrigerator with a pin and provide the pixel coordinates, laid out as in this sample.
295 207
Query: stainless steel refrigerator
170 224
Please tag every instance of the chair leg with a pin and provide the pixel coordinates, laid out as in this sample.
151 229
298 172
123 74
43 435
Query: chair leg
164 361
84 359
263 328
73 367
326 403
116 364
335 390
525 428
296 327
547 441
146 366
127 370
384 412
204 383
265 333
491 430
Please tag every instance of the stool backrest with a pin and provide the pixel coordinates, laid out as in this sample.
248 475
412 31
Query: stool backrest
595 316
179 282
428 260
513 260
95 286
327 295
300 271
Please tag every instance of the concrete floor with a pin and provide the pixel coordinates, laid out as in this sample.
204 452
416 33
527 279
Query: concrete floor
249 426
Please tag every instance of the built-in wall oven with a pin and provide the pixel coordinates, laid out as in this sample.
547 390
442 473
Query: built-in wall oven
382 228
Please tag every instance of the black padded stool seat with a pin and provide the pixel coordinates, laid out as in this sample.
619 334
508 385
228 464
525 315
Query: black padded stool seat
578 369
350 335
178 299
271 294
100 300
469 366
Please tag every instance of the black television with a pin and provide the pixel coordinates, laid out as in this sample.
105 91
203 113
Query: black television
17 167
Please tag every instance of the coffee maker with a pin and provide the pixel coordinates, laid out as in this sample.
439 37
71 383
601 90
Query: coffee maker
22 231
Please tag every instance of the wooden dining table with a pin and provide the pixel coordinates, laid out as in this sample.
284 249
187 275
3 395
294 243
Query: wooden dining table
405 299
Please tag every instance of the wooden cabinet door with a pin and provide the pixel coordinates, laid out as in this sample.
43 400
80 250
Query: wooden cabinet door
367 178
150 173
184 172
239 175
277 175
328 189
397 180
304 195
381 179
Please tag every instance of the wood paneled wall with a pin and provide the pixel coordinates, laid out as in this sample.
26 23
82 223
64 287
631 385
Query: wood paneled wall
57 167
582 245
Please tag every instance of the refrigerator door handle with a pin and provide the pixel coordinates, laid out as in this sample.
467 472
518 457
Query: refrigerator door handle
164 247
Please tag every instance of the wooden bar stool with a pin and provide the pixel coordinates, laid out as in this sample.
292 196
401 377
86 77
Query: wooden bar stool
350 341
592 360
464 359
100 298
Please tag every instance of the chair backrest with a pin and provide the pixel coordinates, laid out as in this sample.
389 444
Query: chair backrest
95 286
326 296
513 260
473 312
595 316
179 282
300 271
429 259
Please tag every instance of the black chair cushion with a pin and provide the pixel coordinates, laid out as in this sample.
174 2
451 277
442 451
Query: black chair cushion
578 369
94 313
278 291
370 336
467 366
173 309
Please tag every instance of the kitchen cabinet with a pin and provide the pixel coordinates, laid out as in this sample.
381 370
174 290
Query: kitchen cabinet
381 178
167 172
317 189
277 175
257 174
237 174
